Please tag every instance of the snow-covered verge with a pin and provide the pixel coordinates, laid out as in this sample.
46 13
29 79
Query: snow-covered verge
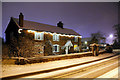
11 69
39 59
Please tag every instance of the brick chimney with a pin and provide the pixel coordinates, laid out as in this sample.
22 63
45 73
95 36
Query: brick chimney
21 19
60 24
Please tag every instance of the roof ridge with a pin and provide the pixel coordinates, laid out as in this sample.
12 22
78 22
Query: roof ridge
36 22
45 27
42 23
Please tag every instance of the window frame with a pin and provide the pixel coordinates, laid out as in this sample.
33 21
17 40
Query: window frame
41 35
56 37
76 47
76 38
58 48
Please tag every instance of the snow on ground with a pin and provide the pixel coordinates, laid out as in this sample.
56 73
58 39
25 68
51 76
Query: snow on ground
10 69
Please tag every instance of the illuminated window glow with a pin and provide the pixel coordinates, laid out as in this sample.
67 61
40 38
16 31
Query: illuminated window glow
39 36
76 47
55 37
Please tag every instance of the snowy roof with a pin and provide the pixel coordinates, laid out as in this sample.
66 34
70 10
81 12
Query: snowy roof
44 27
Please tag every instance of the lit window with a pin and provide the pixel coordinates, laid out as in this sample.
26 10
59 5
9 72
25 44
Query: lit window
55 37
76 39
39 36
55 48
76 48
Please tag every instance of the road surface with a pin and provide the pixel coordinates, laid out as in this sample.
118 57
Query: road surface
98 69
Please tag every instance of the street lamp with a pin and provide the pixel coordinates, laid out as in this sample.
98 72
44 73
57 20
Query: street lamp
111 35
110 39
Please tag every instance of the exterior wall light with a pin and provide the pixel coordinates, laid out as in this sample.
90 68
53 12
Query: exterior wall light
19 30
85 42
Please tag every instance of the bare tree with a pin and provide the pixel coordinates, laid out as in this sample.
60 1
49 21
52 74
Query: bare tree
117 32
116 43
98 37
94 40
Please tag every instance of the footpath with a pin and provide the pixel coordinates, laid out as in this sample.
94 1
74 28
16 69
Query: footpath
11 70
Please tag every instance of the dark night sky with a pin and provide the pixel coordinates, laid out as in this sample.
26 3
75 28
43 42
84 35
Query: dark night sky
84 18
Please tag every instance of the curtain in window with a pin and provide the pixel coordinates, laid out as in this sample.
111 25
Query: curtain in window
42 36
39 36
55 37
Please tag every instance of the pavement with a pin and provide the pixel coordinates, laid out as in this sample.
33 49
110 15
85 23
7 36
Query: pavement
12 70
